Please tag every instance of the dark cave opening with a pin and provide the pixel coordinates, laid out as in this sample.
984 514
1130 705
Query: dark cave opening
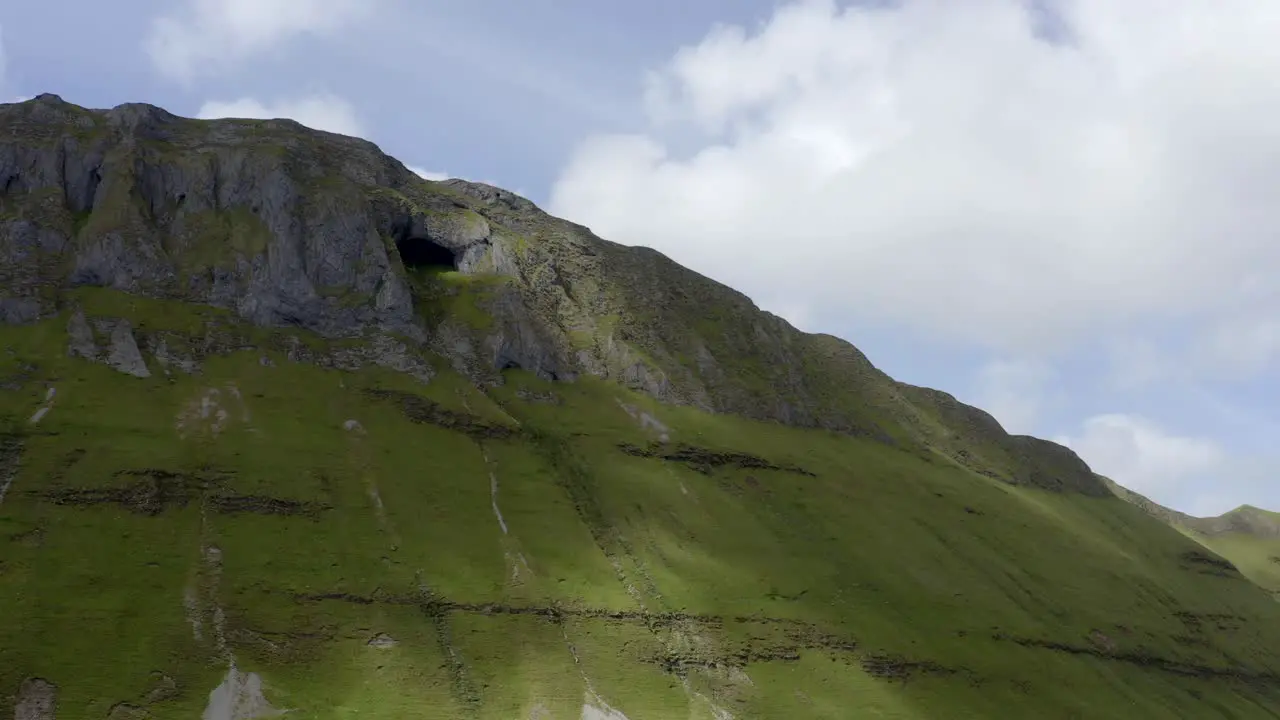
419 253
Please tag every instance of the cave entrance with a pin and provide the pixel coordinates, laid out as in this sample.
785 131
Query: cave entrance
421 254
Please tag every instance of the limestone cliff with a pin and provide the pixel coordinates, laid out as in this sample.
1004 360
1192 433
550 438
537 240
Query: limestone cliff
287 226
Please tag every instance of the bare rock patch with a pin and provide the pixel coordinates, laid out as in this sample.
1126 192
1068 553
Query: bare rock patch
37 700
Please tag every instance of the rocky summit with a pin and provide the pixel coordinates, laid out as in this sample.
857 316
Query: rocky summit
287 430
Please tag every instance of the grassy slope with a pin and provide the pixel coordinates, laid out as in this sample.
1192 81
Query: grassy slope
645 584
1257 557
1249 537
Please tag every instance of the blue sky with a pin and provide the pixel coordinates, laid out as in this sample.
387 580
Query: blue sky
1058 210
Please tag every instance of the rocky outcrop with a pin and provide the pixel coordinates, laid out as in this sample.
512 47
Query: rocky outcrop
706 461
121 347
80 341
36 700
136 199
974 439
382 641
124 354
291 227
239 697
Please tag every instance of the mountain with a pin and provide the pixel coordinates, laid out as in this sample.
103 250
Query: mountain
1248 536
284 427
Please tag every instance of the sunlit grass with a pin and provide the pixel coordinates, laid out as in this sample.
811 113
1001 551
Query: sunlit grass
877 549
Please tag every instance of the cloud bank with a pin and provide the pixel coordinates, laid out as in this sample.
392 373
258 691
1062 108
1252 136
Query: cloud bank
946 167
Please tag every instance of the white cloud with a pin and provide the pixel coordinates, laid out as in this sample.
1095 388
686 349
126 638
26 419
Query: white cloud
937 165
322 112
1140 455
202 37
427 174
1014 392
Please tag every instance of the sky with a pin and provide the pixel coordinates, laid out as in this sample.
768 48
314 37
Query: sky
1057 210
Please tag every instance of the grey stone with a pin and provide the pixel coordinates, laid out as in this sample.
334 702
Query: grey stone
393 296
37 700
518 341
382 641
175 357
19 311
124 354
239 697
80 337
308 241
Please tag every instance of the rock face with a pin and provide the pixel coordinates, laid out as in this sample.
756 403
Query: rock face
287 226
137 199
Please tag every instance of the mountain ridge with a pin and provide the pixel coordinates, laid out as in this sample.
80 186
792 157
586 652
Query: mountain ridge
1245 519
569 303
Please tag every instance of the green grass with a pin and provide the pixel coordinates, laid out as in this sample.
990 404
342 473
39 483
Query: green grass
657 577
1257 557
441 294
1247 536
219 238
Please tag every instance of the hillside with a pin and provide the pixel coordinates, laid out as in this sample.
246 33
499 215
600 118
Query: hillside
285 427
1247 536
